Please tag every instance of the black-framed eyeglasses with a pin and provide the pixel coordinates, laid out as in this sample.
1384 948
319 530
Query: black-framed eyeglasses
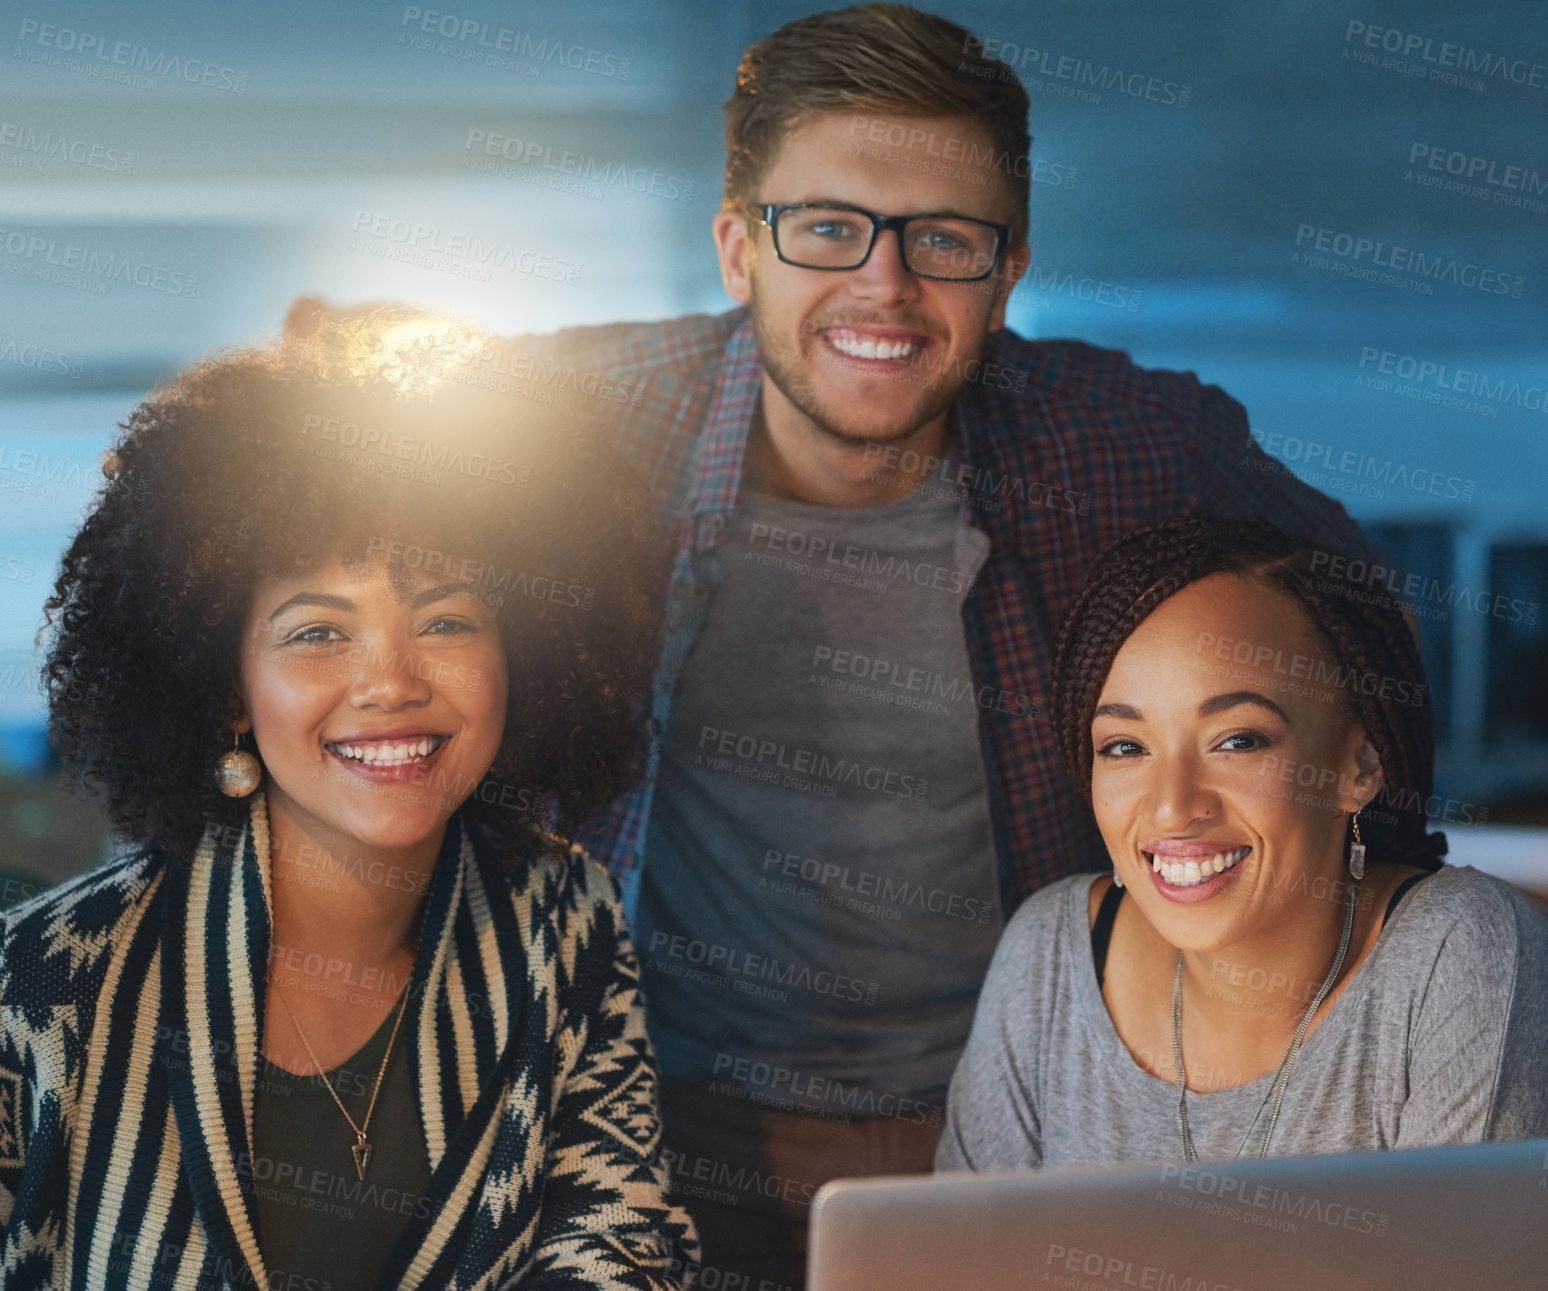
949 248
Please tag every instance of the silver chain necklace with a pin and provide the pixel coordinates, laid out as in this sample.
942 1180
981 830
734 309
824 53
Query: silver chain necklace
1287 1064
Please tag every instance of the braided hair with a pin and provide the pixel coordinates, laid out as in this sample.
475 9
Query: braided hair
1364 631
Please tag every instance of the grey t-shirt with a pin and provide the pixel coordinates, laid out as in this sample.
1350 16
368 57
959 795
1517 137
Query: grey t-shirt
819 900
1440 1037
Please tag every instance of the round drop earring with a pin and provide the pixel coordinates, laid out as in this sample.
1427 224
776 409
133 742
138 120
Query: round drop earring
237 771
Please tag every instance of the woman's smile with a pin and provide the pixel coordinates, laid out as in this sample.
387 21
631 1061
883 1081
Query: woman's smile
398 756
1187 870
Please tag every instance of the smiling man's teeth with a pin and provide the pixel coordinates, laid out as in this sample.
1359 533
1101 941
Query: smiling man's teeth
858 349
1186 874
389 753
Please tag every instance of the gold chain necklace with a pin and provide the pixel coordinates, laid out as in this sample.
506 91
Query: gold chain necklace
360 1149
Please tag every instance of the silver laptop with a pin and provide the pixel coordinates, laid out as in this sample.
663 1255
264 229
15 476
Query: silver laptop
1456 1218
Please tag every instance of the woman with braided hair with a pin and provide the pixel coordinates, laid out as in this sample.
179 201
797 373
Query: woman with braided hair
1278 961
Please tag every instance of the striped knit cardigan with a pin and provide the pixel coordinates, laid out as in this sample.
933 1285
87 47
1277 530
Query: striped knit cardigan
131 1008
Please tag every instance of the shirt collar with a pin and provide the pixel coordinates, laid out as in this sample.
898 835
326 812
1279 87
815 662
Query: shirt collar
717 474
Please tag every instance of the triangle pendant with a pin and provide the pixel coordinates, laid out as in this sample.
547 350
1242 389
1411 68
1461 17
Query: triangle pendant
362 1154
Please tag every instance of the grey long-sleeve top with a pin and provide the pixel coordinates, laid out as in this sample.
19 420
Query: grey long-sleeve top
1440 1037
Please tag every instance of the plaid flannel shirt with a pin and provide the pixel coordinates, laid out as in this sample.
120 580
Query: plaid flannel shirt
1062 448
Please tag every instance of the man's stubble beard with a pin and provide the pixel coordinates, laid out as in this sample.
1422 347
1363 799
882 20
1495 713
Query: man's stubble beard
784 370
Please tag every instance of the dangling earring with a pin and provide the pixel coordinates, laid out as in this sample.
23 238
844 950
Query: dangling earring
237 772
1356 851
1117 878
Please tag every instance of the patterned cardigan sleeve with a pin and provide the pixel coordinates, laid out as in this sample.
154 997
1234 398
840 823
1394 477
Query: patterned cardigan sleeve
606 1222
38 1071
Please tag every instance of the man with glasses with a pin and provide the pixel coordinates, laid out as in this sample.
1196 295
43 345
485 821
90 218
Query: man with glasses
882 505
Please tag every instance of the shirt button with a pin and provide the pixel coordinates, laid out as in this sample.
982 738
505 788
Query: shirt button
717 522
698 591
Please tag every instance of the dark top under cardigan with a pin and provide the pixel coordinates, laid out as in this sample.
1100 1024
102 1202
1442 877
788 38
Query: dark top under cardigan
131 1007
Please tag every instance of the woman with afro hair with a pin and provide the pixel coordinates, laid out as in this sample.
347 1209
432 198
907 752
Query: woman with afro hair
1276 961
351 640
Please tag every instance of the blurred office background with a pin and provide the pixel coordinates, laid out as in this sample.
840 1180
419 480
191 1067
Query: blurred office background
1338 213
